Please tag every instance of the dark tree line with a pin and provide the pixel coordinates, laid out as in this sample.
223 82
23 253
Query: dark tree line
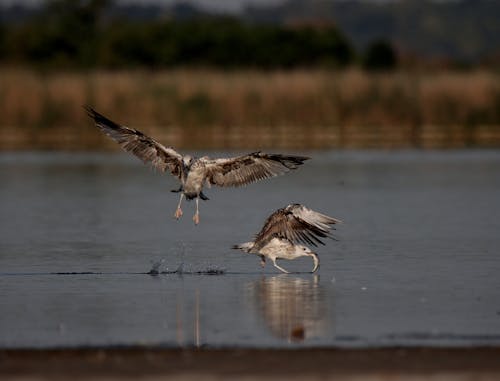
79 34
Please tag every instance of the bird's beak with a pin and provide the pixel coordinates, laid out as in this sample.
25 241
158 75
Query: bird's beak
316 262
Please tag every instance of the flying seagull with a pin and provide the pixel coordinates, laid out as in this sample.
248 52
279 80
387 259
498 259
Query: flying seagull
284 230
193 173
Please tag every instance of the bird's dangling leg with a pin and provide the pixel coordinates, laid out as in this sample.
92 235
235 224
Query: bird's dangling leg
278 267
178 211
262 261
196 217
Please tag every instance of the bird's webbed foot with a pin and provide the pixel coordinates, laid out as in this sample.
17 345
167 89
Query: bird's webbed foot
196 218
178 213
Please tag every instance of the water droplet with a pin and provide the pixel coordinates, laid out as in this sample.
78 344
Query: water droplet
155 267
180 269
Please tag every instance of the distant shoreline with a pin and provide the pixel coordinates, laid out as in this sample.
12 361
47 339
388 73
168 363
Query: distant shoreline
214 138
191 364
209 109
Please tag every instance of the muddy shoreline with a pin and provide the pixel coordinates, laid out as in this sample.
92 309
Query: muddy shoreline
110 364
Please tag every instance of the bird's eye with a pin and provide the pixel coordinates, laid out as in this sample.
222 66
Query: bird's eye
304 248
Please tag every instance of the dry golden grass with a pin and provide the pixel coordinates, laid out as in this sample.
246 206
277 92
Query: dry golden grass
291 109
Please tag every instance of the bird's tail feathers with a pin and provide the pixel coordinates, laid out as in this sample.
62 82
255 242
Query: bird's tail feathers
247 246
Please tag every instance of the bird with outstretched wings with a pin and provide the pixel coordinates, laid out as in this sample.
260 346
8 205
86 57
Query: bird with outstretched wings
193 173
285 229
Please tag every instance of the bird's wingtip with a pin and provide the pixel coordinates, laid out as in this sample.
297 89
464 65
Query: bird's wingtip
336 221
299 159
90 111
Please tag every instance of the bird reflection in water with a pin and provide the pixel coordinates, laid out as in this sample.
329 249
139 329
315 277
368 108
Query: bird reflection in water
293 308
180 321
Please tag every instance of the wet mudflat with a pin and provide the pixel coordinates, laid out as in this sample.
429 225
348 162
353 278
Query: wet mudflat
416 261
265 364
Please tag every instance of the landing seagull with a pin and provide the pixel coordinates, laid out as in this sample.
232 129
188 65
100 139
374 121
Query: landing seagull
193 172
284 229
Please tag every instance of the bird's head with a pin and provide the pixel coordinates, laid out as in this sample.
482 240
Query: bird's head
187 161
305 251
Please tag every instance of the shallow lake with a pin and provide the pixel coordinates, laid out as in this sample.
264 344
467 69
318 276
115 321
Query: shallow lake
417 261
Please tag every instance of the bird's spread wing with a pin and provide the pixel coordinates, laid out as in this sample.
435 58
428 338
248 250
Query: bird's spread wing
296 223
142 146
246 169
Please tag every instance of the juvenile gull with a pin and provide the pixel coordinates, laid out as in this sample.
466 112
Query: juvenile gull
193 173
285 229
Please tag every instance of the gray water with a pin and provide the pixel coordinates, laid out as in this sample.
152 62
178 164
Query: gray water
416 262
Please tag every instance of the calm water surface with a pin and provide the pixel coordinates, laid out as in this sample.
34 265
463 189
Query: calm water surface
417 260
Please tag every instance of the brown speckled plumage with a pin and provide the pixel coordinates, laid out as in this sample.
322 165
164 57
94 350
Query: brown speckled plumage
194 173
283 230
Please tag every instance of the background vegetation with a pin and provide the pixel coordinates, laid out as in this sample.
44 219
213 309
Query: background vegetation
456 32
76 34
240 109
204 81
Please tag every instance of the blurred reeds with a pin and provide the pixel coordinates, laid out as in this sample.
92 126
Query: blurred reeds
210 109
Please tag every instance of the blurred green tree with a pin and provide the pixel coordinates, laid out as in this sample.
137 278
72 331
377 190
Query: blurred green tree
80 34
379 56
63 34
2 40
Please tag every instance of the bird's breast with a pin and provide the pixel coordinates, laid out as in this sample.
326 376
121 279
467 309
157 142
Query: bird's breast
194 181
